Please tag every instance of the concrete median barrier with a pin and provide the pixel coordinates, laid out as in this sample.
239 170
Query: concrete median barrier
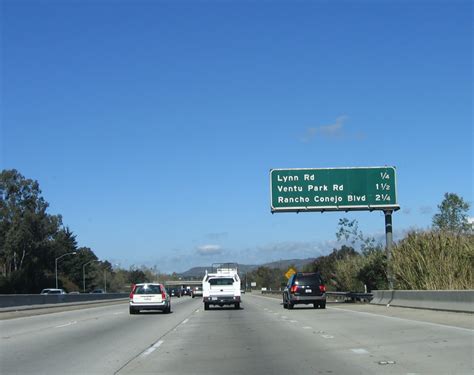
36 300
446 300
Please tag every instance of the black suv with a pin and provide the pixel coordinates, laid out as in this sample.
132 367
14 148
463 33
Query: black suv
307 288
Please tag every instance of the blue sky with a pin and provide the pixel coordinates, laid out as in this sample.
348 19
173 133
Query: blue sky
151 126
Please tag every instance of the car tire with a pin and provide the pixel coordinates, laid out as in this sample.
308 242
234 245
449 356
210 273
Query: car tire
316 305
322 305
134 311
290 305
206 306
237 306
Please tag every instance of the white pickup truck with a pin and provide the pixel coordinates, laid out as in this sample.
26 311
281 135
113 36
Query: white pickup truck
222 286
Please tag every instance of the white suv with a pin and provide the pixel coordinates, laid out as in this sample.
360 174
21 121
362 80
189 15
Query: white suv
149 296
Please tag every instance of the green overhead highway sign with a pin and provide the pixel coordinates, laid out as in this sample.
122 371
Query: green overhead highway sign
333 189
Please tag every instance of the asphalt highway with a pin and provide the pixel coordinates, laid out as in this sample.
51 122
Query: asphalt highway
259 338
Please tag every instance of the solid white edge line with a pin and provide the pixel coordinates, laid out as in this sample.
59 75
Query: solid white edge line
404 320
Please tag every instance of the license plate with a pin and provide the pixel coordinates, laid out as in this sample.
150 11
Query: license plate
308 290
147 298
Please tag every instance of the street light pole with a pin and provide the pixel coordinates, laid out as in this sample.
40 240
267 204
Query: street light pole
56 265
84 274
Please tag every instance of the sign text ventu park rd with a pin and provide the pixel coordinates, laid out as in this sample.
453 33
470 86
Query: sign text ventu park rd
333 189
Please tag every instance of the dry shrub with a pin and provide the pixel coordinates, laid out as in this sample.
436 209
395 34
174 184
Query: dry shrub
434 260
347 271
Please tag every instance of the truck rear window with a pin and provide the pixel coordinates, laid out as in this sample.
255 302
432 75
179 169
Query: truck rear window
222 281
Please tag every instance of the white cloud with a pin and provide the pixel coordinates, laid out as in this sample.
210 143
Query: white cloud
207 250
335 130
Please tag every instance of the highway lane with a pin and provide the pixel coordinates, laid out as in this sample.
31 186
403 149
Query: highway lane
260 338
263 338
97 340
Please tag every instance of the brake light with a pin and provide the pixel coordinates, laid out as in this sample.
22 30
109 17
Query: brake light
322 288
163 295
294 289
133 291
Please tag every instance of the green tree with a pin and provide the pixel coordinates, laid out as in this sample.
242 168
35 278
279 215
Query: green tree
266 277
373 272
137 276
31 239
452 214
27 234
371 268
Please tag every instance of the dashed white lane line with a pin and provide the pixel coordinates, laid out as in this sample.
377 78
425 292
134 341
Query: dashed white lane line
359 351
185 321
152 348
118 313
293 321
67 324
327 336
307 327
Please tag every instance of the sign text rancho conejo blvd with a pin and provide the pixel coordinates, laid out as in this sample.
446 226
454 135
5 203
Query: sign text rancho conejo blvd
333 189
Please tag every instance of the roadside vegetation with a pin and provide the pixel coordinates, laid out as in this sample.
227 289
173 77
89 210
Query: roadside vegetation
441 258
32 240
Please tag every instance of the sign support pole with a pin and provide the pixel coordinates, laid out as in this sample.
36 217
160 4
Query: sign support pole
389 245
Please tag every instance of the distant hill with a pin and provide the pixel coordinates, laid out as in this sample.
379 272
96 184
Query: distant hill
284 264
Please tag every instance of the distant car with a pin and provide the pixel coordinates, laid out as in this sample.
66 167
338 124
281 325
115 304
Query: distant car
196 291
149 296
305 288
174 292
97 291
74 292
53 291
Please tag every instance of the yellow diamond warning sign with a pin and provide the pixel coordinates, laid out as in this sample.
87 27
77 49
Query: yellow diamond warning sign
290 273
